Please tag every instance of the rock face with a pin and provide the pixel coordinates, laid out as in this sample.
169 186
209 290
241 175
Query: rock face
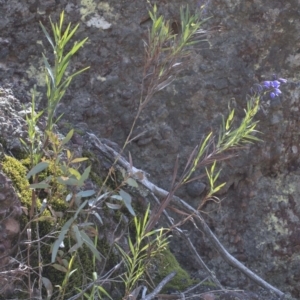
248 42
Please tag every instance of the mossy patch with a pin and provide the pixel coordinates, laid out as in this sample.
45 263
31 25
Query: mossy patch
167 263
17 173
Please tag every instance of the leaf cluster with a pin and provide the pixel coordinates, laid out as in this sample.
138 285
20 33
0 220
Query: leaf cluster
56 80
165 49
147 246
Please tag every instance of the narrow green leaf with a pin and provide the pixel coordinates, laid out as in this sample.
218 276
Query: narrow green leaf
74 248
90 244
74 172
79 159
216 189
97 216
72 272
87 193
132 249
68 181
85 175
37 169
65 35
117 197
61 20
49 70
80 208
77 73
40 185
71 33
60 238
67 137
77 235
47 35
127 200
102 290
61 72
145 218
65 263
75 48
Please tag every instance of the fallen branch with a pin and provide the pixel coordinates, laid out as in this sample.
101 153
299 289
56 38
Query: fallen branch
140 176
159 287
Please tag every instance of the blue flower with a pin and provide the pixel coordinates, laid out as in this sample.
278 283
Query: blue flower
272 87
267 84
276 92
275 84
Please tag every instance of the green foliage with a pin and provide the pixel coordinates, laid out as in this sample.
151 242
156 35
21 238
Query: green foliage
244 133
67 268
230 137
147 247
56 80
165 50
71 269
58 172
212 177
33 147
80 236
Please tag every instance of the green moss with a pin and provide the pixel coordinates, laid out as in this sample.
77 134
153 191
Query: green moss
167 263
17 173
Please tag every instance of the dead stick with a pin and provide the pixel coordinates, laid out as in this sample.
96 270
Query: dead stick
159 287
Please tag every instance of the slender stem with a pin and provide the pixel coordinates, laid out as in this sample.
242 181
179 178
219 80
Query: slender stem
39 260
28 262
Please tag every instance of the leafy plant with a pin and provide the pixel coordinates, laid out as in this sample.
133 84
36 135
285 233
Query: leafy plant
33 147
63 172
147 246
56 80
